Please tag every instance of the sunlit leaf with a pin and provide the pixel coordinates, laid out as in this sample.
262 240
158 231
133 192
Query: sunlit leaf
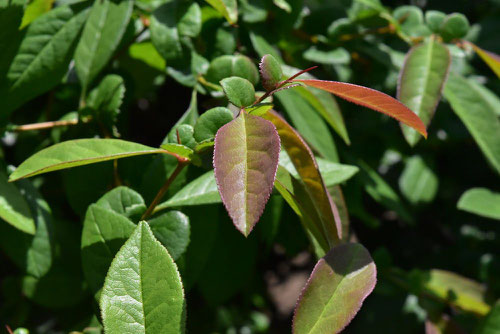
140 281
146 52
34 10
13 207
228 8
490 58
481 201
421 81
79 152
178 149
372 99
335 291
477 115
245 161
210 121
123 201
239 91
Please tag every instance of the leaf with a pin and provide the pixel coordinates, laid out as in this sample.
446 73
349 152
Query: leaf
140 281
183 133
228 9
246 156
34 10
476 114
305 164
338 56
32 253
411 18
124 201
239 91
237 66
418 182
190 20
101 35
454 25
146 52
172 230
335 291
270 72
372 99
481 201
202 190
283 5
434 19
179 150
190 116
104 232
210 121
13 207
10 36
491 324
79 152
43 56
490 58
421 81
333 173
309 123
164 30
107 98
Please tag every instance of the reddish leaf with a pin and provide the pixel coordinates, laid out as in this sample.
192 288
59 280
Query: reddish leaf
372 99
490 58
246 157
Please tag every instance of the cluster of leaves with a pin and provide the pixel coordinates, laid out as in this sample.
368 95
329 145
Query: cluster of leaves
137 241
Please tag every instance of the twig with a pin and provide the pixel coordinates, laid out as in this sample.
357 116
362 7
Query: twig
46 125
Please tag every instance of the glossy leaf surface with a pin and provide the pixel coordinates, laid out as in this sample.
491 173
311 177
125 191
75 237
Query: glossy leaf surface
13 207
101 35
307 168
372 99
421 81
143 290
123 201
481 201
477 115
239 91
79 152
210 121
335 291
246 157
172 230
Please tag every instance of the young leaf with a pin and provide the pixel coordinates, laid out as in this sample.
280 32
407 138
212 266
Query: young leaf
228 9
104 232
172 230
143 291
335 291
239 91
417 181
421 81
477 115
434 19
307 168
490 58
246 157
202 190
183 133
124 201
270 72
43 56
480 201
454 25
372 99
79 152
179 150
13 207
210 121
34 10
101 35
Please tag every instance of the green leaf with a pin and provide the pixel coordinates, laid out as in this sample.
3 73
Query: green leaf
412 19
481 201
283 5
305 117
189 117
164 30
34 10
239 91
104 232
477 115
262 47
10 36
172 230
179 150
13 207
335 291
124 201
190 20
333 173
421 82
259 109
434 19
236 66
146 52
338 56
202 190
270 72
491 324
107 98
101 35
228 9
302 158
185 133
245 160
79 152
454 26
418 182
32 253
490 58
210 121
43 57
142 277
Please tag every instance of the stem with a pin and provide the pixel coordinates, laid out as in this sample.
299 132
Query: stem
46 125
163 189
204 82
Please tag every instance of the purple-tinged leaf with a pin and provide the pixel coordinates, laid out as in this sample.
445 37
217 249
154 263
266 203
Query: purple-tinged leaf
246 155
335 291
